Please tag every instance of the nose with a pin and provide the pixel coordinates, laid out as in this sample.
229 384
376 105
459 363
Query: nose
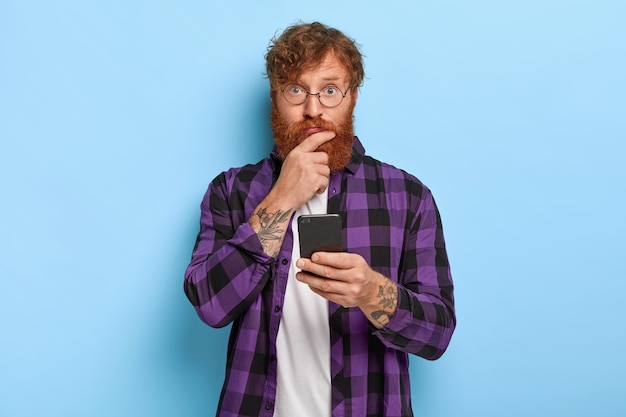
312 106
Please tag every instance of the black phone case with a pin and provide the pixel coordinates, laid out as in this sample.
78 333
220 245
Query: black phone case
319 233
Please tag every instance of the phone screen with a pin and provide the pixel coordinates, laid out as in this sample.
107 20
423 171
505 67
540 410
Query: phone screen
319 233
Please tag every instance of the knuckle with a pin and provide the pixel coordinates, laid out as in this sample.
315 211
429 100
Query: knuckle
354 290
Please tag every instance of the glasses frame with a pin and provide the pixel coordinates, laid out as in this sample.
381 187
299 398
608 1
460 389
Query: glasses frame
319 98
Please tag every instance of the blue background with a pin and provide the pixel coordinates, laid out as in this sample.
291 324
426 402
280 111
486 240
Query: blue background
114 116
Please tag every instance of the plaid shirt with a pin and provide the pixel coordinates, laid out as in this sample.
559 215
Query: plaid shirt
389 218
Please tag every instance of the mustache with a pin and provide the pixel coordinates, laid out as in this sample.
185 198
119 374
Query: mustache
298 128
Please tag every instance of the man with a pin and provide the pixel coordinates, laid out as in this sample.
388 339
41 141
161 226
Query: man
329 335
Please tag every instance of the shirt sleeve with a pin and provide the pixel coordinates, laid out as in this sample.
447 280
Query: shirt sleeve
228 267
425 317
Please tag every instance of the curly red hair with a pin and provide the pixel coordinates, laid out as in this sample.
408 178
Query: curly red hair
302 47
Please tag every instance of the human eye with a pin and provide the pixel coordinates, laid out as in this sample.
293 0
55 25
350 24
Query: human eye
330 90
294 89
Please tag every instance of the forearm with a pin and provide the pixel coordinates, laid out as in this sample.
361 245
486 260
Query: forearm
270 221
228 268
423 324
382 303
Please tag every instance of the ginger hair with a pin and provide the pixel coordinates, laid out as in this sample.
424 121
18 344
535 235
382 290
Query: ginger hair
302 47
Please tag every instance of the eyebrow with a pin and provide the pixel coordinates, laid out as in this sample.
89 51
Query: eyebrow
332 78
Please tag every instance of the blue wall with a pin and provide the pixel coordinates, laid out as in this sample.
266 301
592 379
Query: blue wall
114 116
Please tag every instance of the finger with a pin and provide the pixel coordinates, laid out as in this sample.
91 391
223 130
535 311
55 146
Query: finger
320 158
337 260
321 284
306 265
311 143
323 183
321 271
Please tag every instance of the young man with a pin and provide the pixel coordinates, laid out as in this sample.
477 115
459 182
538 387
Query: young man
329 335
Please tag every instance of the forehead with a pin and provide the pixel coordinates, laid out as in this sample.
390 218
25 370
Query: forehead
330 69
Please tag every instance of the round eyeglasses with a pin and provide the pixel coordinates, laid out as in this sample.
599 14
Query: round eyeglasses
329 96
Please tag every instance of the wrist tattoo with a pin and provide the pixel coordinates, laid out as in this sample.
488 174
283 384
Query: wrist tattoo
272 227
388 300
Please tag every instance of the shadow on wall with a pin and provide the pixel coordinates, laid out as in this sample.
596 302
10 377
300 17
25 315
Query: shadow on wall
423 385
252 137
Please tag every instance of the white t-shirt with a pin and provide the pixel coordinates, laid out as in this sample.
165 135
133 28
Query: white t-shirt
303 341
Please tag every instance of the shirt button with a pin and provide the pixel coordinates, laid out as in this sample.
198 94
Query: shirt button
285 261
277 309
268 406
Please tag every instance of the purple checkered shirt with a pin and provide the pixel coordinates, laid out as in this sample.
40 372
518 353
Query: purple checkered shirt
389 218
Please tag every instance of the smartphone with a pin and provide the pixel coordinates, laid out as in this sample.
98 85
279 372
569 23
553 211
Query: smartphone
319 233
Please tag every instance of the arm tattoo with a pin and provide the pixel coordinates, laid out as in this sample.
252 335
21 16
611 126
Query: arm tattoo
272 229
388 300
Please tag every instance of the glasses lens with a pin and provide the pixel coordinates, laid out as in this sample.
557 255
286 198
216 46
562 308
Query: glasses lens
294 94
331 96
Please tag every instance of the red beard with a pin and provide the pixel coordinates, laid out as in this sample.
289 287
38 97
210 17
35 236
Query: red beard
339 149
